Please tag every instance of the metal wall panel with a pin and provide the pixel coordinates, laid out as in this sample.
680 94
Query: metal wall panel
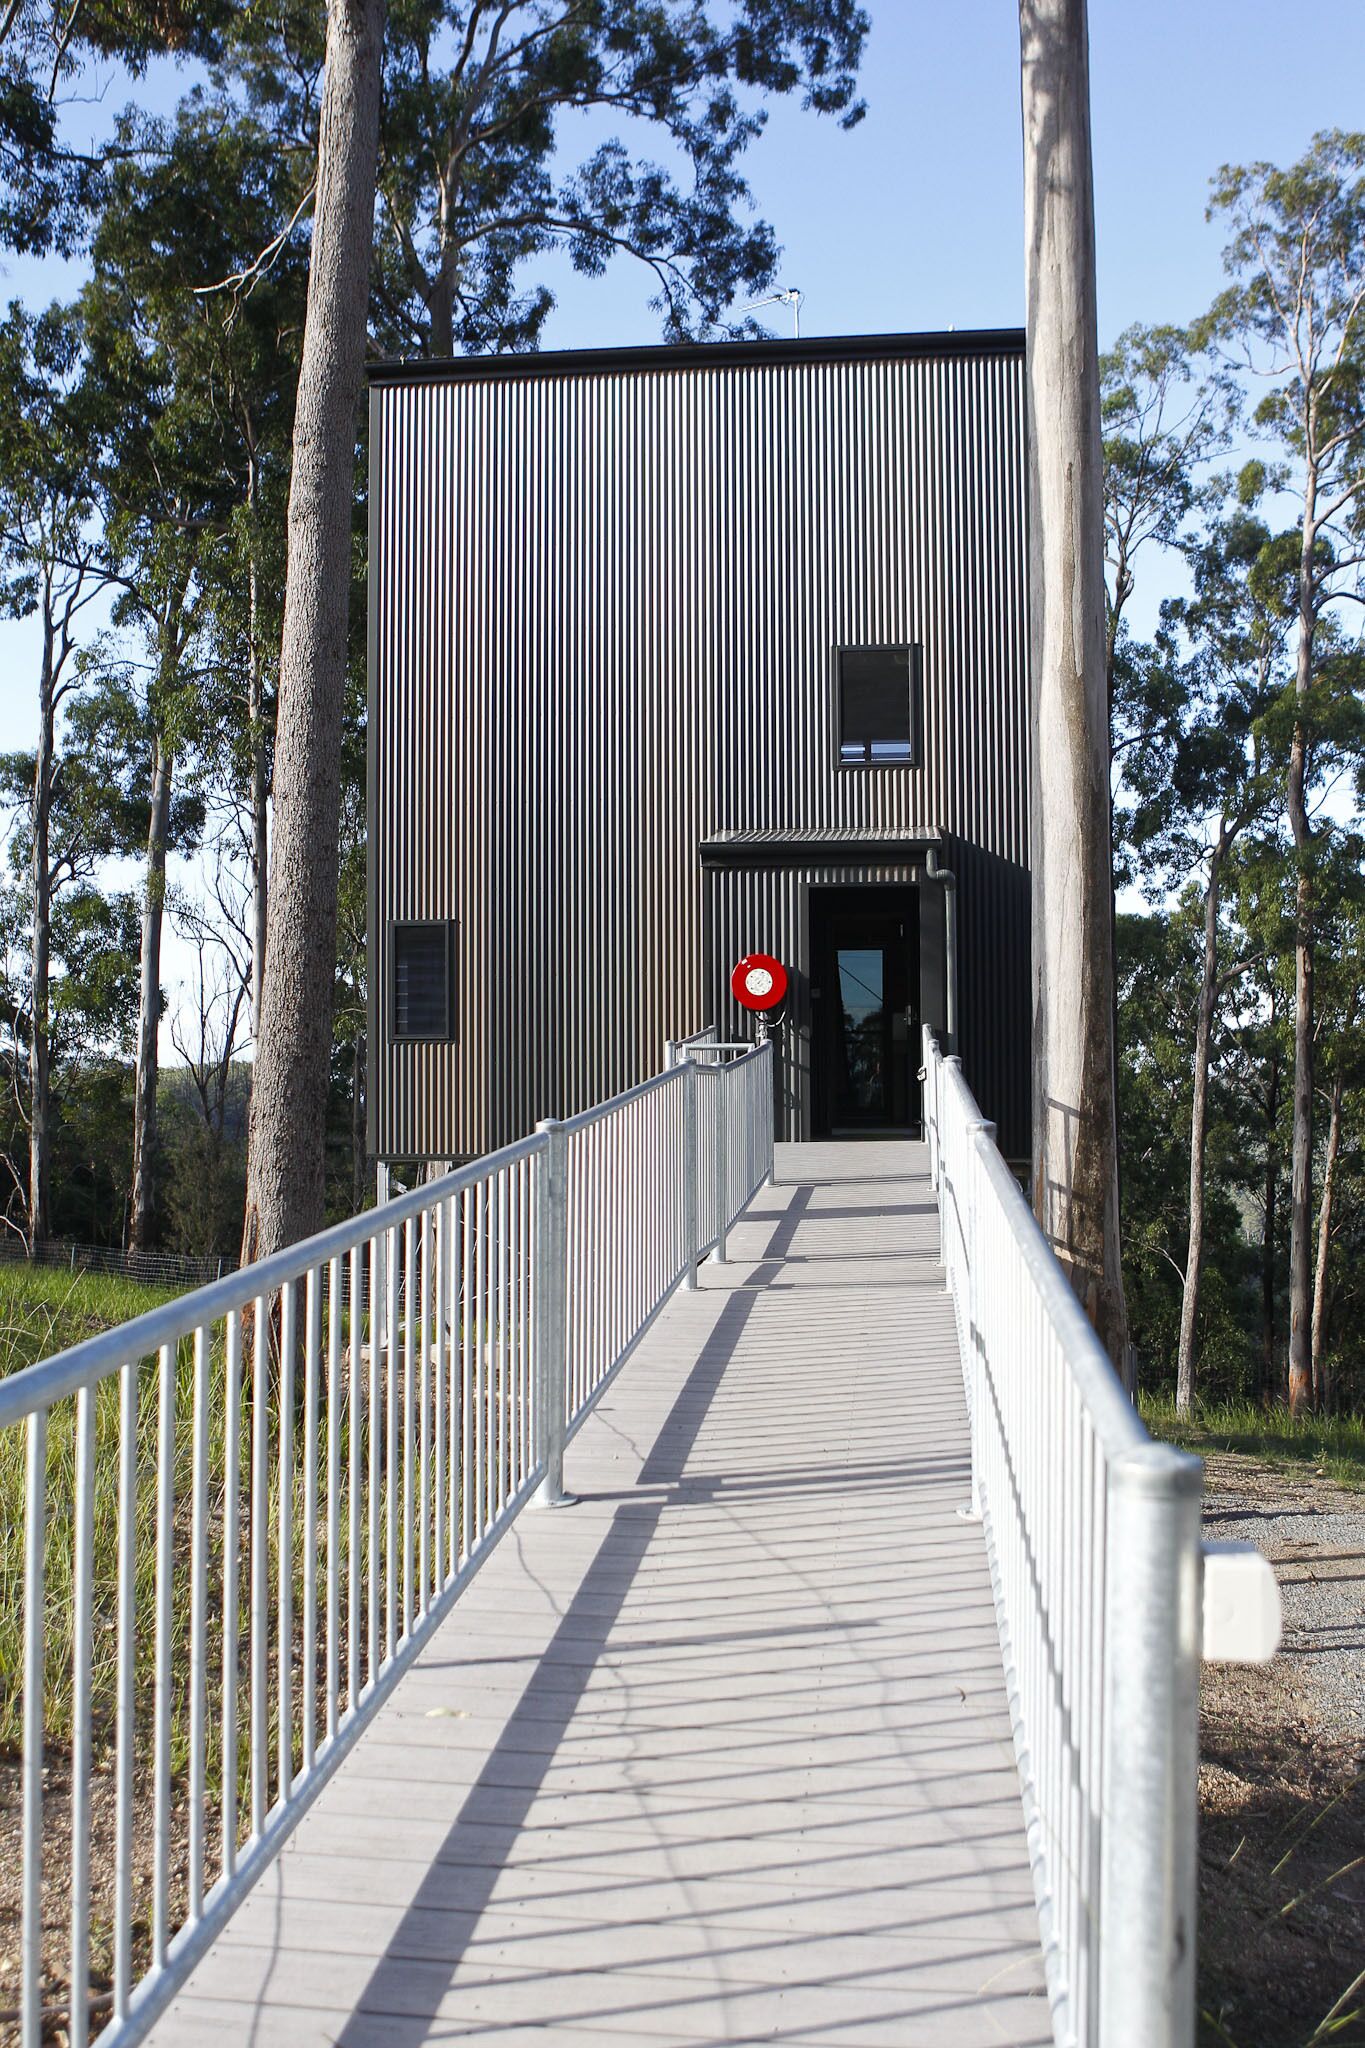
604 601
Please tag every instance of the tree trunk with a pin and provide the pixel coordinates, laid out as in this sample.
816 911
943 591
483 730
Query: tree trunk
1270 1219
441 303
1075 1177
1194 1255
285 1182
1301 1169
40 1071
149 1000
1322 1387
255 704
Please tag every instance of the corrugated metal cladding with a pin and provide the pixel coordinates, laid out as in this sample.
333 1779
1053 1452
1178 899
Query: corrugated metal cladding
604 599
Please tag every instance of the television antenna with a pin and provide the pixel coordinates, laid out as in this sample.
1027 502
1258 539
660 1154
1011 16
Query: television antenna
790 297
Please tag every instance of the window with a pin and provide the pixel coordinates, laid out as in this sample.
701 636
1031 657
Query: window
421 981
876 705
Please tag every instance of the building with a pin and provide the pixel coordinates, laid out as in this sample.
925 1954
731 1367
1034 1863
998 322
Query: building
680 653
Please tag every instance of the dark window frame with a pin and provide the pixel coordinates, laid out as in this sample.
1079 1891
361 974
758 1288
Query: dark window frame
861 763
441 925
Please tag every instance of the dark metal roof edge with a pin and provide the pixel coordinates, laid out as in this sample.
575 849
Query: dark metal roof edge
704 355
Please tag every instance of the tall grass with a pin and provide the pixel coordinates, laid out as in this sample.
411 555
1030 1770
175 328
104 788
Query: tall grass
1331 1444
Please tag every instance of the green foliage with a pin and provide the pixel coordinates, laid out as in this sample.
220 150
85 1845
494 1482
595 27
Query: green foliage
471 189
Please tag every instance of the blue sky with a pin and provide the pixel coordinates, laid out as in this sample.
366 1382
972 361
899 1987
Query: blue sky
913 220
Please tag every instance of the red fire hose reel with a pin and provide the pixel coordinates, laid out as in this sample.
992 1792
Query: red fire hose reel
759 982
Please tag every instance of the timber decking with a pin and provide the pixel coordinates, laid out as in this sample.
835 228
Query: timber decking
719 1754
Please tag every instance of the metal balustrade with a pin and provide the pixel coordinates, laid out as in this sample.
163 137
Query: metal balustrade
247 1510
1093 1535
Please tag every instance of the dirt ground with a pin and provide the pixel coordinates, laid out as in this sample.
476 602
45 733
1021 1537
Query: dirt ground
1282 1840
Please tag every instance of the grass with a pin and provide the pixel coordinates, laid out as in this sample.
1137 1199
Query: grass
44 1309
1332 1446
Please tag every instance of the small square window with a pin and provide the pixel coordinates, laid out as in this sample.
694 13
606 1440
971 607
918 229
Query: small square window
421 980
876 705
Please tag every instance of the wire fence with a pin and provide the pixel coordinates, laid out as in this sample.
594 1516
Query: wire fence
153 1269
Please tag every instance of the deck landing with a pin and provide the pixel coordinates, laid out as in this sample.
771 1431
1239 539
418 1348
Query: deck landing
719 1754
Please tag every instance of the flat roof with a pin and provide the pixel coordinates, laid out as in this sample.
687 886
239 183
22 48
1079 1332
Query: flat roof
698 355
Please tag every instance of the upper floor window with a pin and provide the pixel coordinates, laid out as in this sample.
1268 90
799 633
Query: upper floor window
421 981
876 705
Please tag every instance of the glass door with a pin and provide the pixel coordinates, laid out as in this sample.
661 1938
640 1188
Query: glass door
864 1010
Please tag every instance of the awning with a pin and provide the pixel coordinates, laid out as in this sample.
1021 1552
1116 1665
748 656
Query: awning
784 848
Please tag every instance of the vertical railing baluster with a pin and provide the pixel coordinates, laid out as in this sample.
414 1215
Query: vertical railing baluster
453 1383
232 1455
379 1254
480 1364
411 1304
391 1560
284 1688
161 1723
468 1448
425 1323
551 1290
360 1316
334 1496
691 1175
500 1387
440 1352
35 1683
78 2018
308 1678
125 1731
333 1621
260 1564
199 1588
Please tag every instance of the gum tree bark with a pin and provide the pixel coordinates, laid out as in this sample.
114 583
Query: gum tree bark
40 1076
1075 1176
148 1067
285 1175
1322 1384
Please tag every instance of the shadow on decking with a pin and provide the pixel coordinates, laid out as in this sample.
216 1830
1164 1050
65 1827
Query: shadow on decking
403 2000
553 1694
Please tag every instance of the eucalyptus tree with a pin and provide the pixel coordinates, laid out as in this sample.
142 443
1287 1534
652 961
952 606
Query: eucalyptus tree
473 184
1075 1137
194 216
286 1159
473 93
1341 1062
1293 318
50 569
58 992
167 490
1202 779
1163 420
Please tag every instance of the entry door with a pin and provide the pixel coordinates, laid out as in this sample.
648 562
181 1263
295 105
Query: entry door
864 1011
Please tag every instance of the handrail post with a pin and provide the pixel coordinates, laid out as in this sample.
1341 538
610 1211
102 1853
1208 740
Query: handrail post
1150 1804
691 1176
946 1182
977 1128
722 1162
551 1323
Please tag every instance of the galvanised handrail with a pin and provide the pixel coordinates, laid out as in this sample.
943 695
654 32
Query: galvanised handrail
1092 1531
325 1479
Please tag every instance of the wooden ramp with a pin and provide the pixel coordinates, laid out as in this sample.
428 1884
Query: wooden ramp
719 1754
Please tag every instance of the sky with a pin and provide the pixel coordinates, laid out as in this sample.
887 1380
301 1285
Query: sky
914 218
